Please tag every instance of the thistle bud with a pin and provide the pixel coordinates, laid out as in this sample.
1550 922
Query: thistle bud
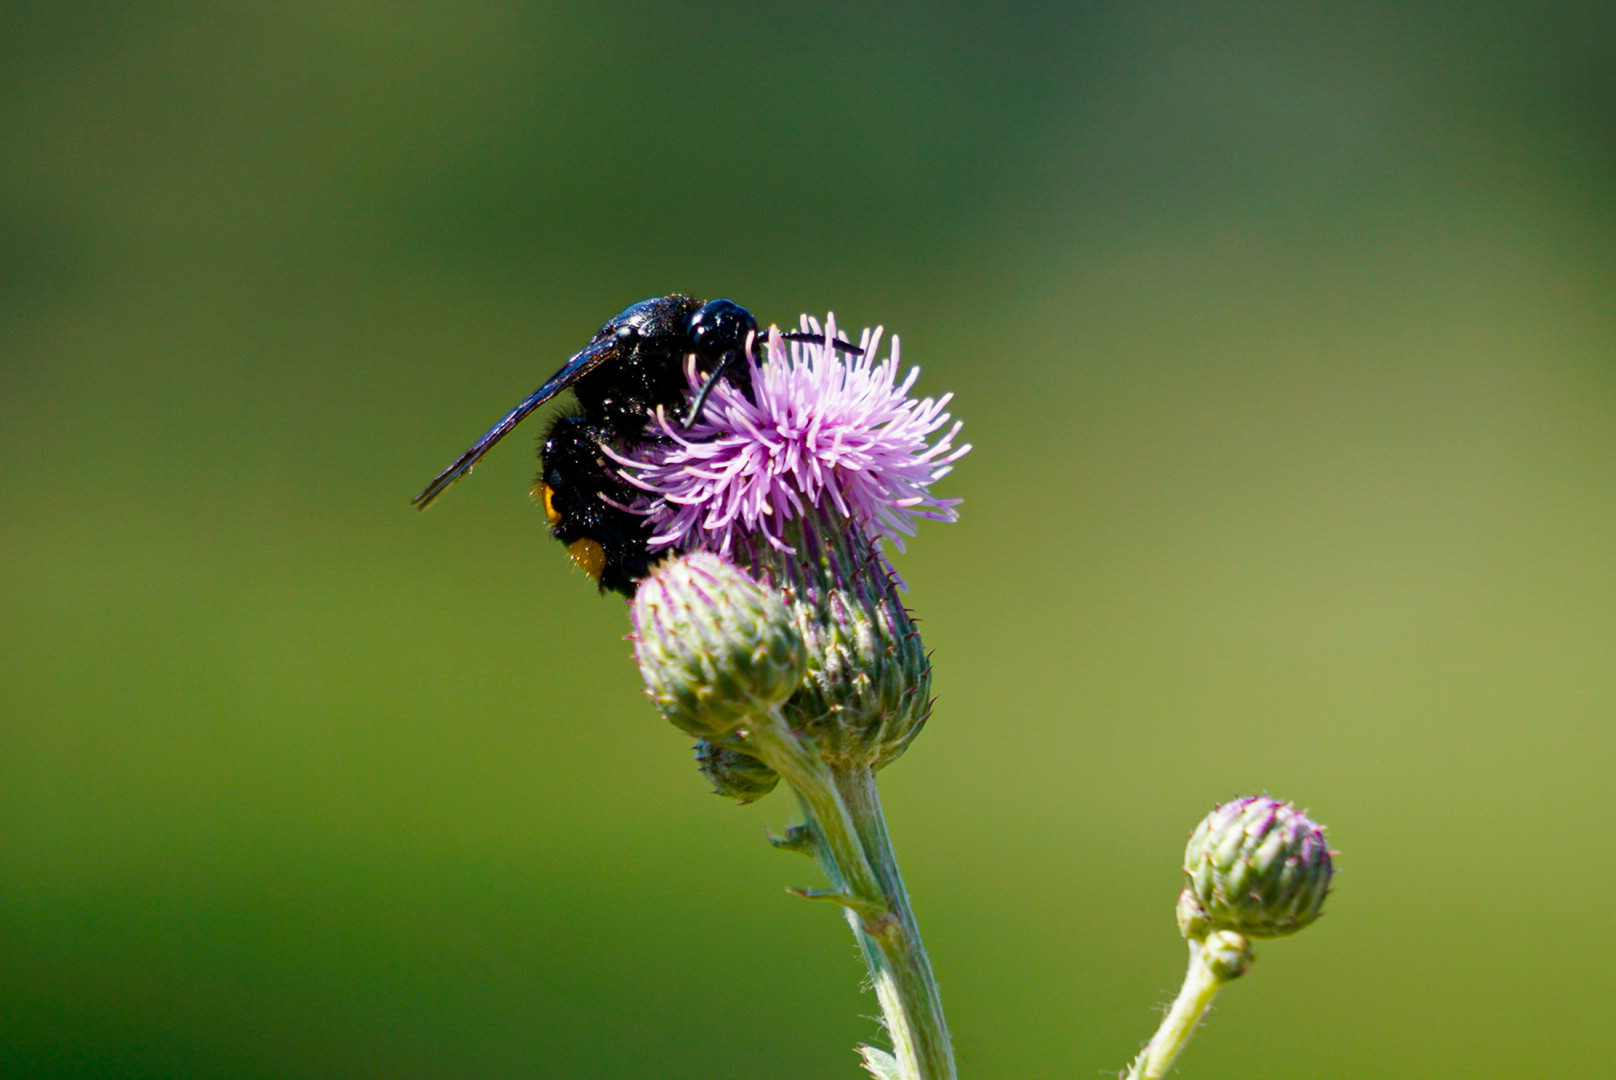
1256 866
1193 921
867 691
1227 955
733 774
715 648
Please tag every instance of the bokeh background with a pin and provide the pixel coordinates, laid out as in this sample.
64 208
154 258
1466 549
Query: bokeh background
1284 334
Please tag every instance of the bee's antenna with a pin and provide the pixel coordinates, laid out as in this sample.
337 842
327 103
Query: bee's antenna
839 345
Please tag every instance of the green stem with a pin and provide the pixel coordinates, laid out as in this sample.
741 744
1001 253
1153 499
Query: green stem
1201 985
801 767
844 810
904 982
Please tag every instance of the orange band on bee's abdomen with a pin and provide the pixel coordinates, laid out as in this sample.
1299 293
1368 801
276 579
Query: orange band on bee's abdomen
546 494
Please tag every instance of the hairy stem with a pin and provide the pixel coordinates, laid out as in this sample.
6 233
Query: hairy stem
1201 985
903 978
844 812
801 766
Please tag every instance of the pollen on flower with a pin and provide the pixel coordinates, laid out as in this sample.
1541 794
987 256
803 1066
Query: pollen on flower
822 429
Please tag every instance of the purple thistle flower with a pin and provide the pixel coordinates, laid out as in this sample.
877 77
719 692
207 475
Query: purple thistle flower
826 430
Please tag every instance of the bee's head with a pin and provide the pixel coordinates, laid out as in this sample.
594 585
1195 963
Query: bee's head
720 327
719 332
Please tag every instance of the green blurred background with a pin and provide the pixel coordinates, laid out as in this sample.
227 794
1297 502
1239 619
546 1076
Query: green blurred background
1285 336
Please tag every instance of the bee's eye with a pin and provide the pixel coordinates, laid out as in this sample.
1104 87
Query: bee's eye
720 326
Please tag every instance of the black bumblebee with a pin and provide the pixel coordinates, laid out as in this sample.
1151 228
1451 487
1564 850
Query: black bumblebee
633 366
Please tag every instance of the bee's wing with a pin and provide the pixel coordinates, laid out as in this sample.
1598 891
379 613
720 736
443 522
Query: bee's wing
591 357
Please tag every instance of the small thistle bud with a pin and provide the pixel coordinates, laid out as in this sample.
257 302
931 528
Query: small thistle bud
1226 954
1193 921
715 648
733 774
1257 867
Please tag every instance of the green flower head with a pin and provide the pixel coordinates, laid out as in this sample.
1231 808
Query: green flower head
1256 866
